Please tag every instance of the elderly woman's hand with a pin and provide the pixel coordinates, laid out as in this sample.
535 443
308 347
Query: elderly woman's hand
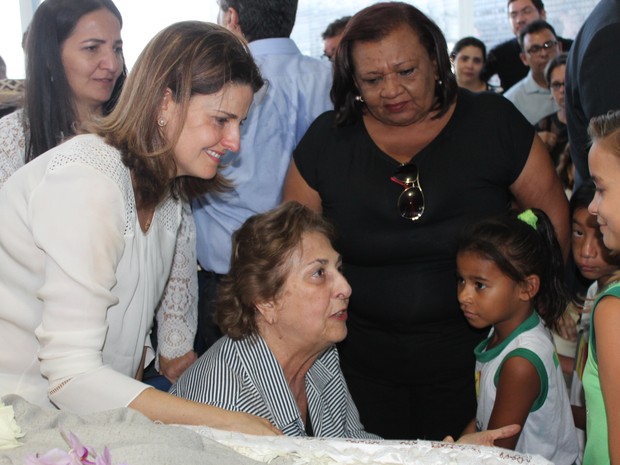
487 437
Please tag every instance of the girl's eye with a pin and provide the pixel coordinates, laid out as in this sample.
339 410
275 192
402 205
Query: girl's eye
577 233
460 281
480 285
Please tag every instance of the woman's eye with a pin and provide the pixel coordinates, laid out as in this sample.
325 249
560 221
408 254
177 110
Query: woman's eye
407 72
371 81
319 273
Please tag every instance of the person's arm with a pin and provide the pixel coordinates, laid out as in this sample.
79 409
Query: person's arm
12 145
518 387
488 437
470 428
161 406
607 329
296 188
177 313
538 186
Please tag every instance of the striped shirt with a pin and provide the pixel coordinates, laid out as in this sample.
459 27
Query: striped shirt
245 376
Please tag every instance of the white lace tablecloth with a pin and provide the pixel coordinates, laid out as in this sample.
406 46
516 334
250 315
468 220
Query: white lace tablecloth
323 451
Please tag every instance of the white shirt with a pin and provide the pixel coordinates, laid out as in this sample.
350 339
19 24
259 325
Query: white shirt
79 280
549 429
177 319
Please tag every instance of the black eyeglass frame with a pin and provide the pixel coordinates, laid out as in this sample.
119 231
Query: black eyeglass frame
536 49
410 202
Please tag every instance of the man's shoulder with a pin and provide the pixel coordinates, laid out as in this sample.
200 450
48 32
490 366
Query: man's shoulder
278 63
516 90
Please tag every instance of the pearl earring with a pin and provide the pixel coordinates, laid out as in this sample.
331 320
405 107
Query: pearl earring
359 98
161 122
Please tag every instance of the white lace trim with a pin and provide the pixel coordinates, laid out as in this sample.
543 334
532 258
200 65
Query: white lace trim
12 144
177 313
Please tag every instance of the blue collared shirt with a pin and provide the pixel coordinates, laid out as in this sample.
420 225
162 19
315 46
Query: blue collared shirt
297 91
533 101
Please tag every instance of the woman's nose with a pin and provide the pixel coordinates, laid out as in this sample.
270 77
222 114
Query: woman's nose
232 138
391 86
343 287
111 60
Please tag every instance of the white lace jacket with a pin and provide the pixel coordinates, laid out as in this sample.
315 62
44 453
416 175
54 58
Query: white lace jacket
177 310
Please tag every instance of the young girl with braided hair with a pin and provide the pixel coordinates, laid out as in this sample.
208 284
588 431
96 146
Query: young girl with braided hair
510 276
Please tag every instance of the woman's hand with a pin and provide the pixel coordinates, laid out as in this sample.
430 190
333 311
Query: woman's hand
172 368
487 437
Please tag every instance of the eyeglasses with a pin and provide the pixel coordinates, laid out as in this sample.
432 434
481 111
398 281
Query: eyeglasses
411 200
536 49
555 85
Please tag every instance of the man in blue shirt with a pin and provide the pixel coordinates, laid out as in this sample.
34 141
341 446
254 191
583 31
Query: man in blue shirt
531 95
296 92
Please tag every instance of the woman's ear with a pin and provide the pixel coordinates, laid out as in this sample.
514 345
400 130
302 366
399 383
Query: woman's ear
530 287
267 310
166 108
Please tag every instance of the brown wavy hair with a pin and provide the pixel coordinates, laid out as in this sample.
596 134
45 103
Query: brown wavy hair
189 58
259 263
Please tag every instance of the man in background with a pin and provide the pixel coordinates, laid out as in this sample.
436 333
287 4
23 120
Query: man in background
592 74
296 92
331 36
503 60
531 95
